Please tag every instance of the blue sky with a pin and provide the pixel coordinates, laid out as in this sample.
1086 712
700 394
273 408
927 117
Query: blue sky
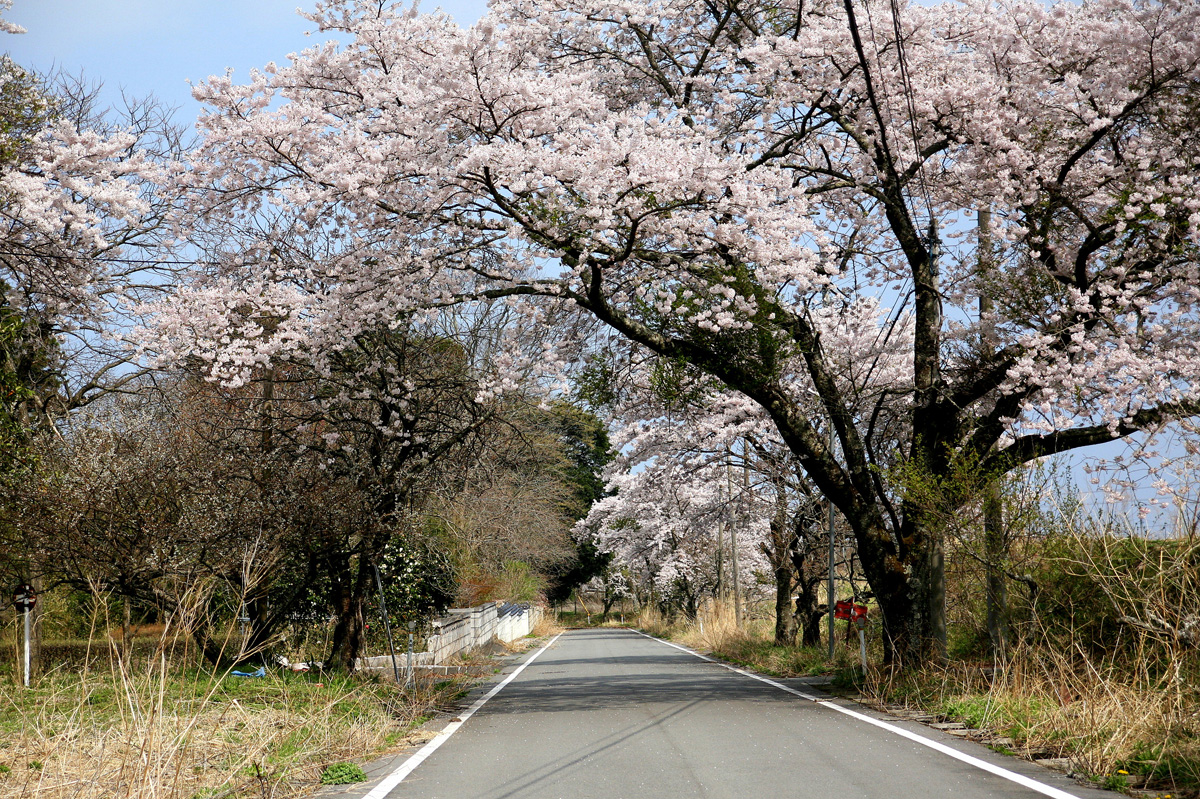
156 46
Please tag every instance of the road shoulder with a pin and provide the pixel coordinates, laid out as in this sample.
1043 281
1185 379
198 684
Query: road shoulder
941 736
380 768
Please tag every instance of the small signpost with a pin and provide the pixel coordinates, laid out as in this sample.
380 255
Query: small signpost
24 598
387 625
853 612
408 679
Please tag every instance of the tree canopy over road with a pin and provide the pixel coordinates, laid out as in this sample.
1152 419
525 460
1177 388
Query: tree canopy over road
718 184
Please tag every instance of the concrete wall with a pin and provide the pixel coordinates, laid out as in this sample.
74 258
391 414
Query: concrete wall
464 629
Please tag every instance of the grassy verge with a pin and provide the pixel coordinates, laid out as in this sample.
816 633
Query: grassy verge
190 733
715 631
1128 728
547 626
570 619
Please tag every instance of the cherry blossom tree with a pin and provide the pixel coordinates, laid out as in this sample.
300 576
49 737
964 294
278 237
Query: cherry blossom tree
686 431
676 511
80 195
84 194
711 180
5 25
667 527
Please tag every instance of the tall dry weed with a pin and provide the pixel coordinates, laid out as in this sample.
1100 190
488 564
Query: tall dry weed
1104 672
546 626
167 730
714 629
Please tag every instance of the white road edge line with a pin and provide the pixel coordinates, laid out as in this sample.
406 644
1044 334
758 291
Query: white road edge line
396 777
999 771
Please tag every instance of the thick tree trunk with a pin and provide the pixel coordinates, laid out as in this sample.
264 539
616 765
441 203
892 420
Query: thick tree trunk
217 651
810 626
347 633
908 585
785 621
780 551
263 623
912 636
353 578
923 635
691 601
808 613
997 589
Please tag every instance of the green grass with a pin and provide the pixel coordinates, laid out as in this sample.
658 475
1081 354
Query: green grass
780 661
1157 763
1115 782
1011 717
343 774
100 700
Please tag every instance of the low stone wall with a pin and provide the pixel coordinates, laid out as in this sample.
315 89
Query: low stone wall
464 629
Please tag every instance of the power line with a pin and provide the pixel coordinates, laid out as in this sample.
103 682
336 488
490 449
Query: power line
143 261
906 84
883 87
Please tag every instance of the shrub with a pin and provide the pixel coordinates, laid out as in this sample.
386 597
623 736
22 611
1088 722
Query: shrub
342 774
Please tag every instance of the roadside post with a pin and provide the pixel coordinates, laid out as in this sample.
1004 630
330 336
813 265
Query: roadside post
244 623
24 598
861 623
856 613
387 625
408 678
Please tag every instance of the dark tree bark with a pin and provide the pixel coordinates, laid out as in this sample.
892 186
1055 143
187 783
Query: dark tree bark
808 612
995 554
347 640
37 612
785 620
778 552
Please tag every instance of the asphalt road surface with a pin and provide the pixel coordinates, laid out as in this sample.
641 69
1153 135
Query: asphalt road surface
613 714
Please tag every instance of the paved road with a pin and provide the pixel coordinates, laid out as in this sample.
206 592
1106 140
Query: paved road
612 714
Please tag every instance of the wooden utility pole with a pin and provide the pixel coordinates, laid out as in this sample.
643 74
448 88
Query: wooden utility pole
720 547
733 551
830 591
993 504
746 506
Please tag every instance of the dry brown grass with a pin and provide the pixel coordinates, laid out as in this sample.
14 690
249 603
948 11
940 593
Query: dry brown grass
547 626
651 621
1104 660
162 733
161 728
1128 727
715 631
